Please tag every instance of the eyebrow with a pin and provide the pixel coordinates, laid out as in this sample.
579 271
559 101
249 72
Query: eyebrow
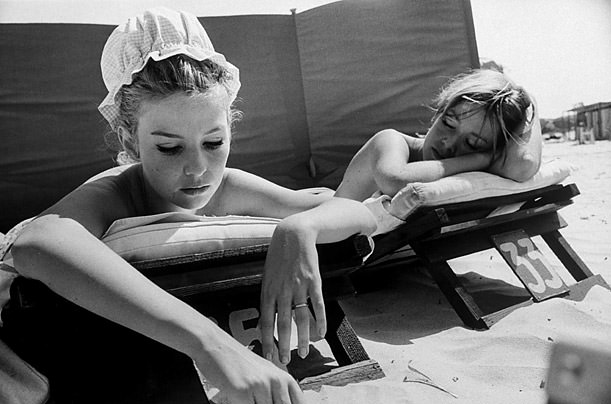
176 136
465 114
165 134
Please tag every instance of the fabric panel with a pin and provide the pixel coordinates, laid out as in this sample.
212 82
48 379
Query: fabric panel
52 133
271 140
373 65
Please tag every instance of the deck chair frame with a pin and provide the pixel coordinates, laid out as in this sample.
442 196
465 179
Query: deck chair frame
220 277
225 285
439 234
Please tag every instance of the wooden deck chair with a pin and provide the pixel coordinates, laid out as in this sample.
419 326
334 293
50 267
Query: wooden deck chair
219 273
472 212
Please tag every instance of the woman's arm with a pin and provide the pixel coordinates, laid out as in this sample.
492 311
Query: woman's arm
291 268
522 160
64 254
243 193
292 273
389 161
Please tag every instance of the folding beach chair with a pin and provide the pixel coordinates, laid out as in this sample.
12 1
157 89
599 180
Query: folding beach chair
223 284
506 218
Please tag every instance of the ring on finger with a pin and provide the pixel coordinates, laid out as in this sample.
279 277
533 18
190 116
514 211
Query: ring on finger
299 305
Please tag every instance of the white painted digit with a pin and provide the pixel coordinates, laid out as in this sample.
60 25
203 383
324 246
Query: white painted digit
520 262
236 326
248 336
535 255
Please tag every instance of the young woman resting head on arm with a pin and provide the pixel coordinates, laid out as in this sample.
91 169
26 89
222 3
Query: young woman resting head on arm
483 122
170 105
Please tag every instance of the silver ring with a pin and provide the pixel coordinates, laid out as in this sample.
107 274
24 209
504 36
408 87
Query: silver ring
297 306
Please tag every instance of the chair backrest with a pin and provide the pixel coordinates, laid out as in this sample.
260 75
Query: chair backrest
316 86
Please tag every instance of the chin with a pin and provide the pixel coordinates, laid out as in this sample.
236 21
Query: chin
192 204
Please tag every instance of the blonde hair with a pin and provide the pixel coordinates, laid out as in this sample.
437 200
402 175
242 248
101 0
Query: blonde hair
161 79
508 107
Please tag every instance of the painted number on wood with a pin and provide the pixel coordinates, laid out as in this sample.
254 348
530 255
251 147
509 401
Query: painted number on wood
529 265
242 325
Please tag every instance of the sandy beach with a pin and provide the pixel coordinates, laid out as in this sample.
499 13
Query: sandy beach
411 330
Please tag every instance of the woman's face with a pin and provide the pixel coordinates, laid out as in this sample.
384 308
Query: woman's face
463 129
183 143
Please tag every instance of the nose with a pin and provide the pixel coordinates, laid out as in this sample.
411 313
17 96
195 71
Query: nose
449 146
195 164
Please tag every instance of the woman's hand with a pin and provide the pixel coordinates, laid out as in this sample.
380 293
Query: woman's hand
291 277
243 377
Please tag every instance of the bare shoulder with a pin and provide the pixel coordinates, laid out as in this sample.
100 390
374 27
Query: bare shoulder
111 195
396 145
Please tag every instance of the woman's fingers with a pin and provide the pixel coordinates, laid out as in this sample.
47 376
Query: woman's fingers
301 313
296 394
264 396
318 306
284 321
267 323
281 392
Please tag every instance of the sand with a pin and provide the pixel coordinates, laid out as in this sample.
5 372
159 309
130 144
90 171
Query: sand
409 327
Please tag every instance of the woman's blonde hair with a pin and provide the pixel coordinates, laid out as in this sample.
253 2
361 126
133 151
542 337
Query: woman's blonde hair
161 79
507 106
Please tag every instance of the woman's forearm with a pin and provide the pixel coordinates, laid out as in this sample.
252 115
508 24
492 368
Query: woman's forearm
292 275
76 265
333 220
428 171
522 160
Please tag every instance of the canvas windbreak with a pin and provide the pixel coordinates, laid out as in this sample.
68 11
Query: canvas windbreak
315 86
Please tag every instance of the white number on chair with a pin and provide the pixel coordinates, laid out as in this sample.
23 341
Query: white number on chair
529 265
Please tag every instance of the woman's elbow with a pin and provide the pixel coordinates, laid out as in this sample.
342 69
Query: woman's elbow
33 245
389 184
24 251
525 170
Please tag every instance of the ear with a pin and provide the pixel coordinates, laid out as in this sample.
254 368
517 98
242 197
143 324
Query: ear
129 143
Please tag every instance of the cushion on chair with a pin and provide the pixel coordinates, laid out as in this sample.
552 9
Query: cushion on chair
170 235
461 187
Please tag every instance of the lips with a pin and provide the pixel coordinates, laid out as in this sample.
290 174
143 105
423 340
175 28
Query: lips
195 190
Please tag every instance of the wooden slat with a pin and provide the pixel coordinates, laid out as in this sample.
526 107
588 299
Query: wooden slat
357 372
456 244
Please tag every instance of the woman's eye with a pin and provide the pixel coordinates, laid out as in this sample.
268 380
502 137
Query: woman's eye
449 121
169 150
213 145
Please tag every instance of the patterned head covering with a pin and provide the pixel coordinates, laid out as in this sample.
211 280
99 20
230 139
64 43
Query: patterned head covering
159 33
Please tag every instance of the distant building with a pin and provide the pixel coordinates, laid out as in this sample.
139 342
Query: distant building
596 117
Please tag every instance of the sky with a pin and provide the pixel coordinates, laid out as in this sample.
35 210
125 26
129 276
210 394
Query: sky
559 50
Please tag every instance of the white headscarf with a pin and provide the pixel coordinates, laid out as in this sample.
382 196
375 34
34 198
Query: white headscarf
158 33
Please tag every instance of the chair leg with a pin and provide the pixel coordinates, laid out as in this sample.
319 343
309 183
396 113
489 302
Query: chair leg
343 341
461 300
354 363
569 258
